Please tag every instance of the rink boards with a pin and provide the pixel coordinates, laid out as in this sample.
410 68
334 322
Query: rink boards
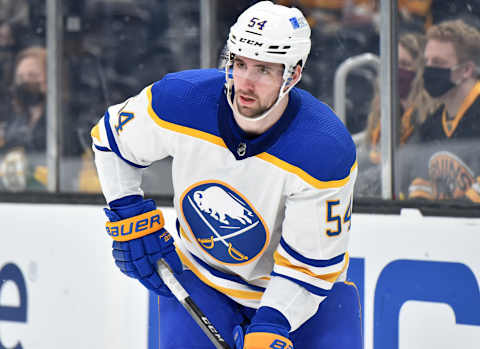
418 279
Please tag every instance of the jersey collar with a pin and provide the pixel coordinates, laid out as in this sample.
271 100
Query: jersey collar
242 145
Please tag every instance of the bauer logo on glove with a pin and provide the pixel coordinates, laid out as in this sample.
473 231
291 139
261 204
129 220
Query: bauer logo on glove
135 227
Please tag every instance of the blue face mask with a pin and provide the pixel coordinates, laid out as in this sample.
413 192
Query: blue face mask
437 81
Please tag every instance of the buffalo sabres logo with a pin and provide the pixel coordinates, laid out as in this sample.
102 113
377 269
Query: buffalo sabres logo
224 223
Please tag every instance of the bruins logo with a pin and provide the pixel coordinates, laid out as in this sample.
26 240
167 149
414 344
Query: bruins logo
224 224
450 176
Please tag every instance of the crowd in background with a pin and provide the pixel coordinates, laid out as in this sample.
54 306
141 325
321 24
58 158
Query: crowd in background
114 48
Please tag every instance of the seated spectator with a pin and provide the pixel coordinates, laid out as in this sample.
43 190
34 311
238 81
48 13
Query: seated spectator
415 104
449 165
104 72
14 21
347 25
112 27
23 153
13 24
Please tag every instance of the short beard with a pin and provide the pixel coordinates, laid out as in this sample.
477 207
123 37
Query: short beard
256 113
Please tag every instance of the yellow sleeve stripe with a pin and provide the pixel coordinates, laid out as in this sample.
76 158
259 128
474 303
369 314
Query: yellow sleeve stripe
136 227
264 156
181 129
228 291
95 133
266 340
304 175
330 277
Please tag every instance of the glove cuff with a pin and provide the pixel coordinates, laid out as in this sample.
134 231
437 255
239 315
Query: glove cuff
130 206
261 340
269 315
269 329
135 227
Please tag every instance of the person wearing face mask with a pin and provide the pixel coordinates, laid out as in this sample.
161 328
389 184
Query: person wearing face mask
22 157
415 104
450 166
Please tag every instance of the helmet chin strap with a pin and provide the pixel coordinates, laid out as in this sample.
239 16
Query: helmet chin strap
282 93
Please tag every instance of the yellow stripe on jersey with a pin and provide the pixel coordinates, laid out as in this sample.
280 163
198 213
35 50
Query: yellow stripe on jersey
181 129
264 156
95 133
330 277
304 175
257 295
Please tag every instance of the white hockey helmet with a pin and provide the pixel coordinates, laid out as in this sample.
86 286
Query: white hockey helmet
270 33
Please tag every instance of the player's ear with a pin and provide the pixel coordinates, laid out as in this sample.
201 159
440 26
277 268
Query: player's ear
295 75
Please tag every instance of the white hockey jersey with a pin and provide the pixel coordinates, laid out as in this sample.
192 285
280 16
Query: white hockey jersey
264 220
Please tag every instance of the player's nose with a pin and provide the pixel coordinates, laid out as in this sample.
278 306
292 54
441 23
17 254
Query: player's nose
248 81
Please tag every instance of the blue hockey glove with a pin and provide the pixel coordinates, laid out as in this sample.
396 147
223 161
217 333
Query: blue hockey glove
268 329
140 240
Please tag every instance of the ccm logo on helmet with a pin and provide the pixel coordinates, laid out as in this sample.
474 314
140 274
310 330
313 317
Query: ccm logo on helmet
251 42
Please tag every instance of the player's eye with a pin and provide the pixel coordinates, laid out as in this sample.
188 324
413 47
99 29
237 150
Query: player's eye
264 70
239 64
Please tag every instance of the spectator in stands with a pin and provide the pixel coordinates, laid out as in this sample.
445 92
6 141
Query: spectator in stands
450 163
117 32
112 59
13 23
350 27
14 19
23 153
415 105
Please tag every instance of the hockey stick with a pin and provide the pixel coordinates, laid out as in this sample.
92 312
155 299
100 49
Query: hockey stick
192 308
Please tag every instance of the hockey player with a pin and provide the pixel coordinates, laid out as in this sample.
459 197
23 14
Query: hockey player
263 176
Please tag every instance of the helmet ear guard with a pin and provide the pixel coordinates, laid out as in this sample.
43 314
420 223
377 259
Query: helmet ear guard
270 33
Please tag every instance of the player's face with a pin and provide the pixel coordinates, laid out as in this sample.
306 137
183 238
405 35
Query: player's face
256 84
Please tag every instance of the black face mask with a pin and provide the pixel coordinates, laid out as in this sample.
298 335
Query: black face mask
437 81
28 94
